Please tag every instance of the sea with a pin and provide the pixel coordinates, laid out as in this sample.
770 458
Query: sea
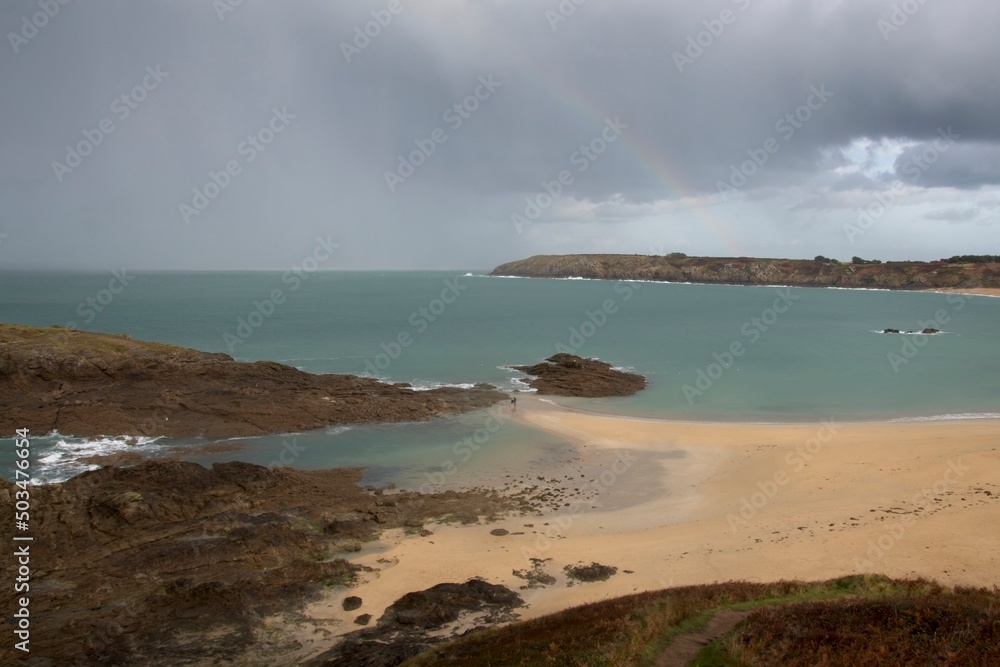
710 352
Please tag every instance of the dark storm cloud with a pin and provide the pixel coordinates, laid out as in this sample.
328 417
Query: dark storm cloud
965 166
702 88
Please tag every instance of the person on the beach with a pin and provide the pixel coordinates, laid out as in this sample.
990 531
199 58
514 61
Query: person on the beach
513 400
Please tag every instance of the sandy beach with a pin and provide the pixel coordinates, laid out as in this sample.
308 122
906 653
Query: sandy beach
678 503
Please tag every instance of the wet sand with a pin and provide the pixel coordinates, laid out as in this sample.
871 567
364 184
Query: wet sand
679 503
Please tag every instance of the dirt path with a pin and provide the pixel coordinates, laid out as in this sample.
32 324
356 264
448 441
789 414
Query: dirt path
684 648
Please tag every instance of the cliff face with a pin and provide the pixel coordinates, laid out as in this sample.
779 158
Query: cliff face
750 271
86 384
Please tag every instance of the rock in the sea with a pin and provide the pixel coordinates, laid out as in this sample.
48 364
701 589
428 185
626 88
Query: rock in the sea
930 330
890 331
569 375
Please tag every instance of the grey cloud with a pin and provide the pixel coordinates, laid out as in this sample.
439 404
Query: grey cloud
687 130
964 166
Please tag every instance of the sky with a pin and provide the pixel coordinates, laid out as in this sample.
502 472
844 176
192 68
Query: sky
243 134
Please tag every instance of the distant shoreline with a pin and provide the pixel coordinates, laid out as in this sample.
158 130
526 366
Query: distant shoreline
748 271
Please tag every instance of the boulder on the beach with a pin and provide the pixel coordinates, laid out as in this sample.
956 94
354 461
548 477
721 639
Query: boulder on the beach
592 572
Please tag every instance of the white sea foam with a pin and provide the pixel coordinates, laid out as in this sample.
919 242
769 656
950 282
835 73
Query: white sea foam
960 416
420 385
521 385
910 333
64 457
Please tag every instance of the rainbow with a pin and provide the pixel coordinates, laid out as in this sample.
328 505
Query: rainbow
580 105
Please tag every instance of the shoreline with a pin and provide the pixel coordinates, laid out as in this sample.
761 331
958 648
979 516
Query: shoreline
732 501
919 419
968 291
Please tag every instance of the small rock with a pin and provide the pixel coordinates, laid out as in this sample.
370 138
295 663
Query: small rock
363 619
499 532
592 572
352 602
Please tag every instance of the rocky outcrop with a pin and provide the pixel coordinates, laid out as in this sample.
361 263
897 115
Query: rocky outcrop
88 384
750 271
569 375
414 623
590 573
170 563
928 331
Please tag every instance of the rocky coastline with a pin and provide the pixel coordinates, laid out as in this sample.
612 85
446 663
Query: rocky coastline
166 562
88 384
820 272
170 563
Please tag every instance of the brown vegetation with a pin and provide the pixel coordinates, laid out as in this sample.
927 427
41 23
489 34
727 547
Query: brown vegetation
794 623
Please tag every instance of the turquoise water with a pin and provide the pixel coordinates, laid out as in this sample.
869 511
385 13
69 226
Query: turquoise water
820 357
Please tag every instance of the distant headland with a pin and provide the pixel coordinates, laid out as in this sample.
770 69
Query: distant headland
960 272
